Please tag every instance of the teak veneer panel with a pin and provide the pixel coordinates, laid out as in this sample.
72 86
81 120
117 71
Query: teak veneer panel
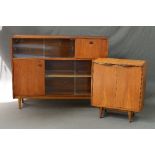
28 77
104 87
128 92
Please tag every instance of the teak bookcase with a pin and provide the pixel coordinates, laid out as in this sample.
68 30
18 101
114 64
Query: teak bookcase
55 67
118 84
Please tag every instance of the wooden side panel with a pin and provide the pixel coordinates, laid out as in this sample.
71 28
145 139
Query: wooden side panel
29 77
143 86
103 86
91 48
128 94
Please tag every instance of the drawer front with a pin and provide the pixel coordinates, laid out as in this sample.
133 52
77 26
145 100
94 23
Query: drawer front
91 48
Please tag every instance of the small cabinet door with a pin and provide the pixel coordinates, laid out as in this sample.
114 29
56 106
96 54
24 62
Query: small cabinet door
28 77
104 86
91 48
128 92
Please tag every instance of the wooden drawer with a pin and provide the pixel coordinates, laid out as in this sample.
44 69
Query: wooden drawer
91 48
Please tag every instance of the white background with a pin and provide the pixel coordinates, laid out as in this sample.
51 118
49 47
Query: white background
77 13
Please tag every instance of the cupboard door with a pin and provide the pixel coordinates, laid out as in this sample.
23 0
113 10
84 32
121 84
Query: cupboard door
91 48
128 92
103 86
28 77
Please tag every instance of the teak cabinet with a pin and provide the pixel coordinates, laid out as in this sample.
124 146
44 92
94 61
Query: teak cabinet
56 67
118 84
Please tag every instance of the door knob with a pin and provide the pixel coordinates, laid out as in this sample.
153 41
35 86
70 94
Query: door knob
39 65
91 42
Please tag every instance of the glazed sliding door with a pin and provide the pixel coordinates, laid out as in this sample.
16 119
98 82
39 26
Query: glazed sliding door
27 48
68 77
28 77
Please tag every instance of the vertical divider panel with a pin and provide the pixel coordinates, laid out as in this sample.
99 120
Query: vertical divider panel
74 77
43 48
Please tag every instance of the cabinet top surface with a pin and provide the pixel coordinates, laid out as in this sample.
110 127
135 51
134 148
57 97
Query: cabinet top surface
57 37
114 61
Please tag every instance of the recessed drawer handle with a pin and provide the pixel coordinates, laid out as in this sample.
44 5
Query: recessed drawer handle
119 65
91 42
39 65
107 64
126 65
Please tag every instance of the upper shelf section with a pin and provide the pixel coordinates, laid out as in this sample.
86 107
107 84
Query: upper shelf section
43 48
34 46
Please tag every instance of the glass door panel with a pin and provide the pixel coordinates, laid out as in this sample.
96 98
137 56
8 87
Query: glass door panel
27 48
59 86
59 48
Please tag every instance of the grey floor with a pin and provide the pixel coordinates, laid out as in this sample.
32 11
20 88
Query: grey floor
70 114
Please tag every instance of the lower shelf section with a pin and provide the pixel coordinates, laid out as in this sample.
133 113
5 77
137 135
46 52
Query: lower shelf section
59 86
68 77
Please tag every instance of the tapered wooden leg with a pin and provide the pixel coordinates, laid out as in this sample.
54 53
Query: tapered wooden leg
22 100
102 112
20 103
133 115
130 116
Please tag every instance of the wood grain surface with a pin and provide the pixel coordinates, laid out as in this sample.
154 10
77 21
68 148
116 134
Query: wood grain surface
28 77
